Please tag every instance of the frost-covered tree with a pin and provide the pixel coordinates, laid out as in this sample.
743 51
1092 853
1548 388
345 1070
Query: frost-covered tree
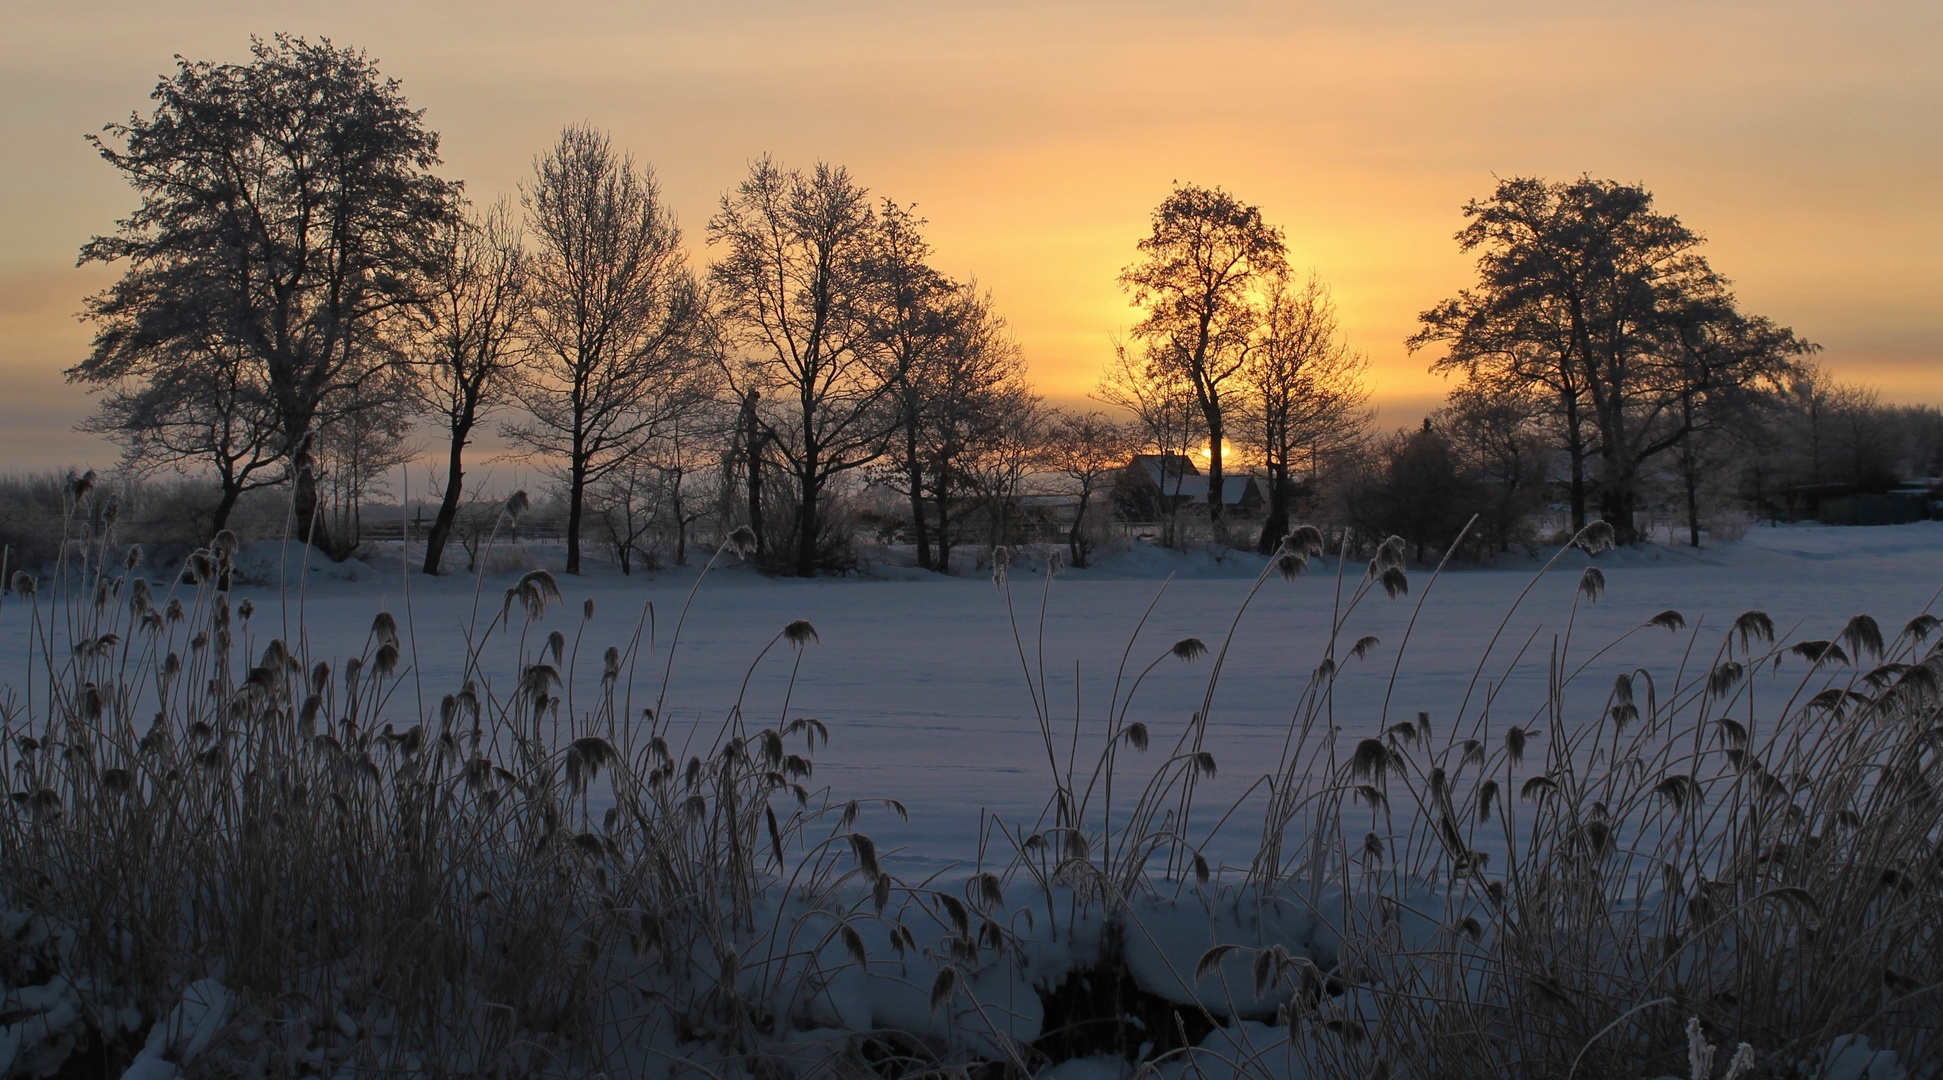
1196 279
794 286
1587 291
465 349
287 206
1300 396
621 339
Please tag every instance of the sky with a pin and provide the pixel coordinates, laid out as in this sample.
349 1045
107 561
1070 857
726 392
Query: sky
1805 140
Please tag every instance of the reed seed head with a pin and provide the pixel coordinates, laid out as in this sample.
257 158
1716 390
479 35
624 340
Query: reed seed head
1592 583
1756 626
1389 554
1863 637
1668 620
1372 759
1595 538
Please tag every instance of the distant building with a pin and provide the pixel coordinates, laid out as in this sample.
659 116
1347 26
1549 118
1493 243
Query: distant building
1156 486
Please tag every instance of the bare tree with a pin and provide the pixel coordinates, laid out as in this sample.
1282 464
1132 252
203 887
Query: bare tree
682 457
971 397
465 350
626 500
914 314
1725 366
1301 393
1087 450
1196 278
793 285
354 455
619 328
1010 448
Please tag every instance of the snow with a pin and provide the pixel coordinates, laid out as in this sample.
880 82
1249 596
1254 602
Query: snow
922 685
930 688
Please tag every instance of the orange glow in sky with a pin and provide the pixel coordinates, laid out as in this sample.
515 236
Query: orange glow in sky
1801 138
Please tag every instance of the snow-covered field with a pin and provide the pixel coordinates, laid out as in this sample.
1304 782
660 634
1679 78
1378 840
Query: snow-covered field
921 683
932 689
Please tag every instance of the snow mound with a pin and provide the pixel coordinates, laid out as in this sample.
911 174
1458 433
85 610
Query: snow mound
270 562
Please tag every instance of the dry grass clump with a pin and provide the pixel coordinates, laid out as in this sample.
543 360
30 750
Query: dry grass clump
1752 842
502 881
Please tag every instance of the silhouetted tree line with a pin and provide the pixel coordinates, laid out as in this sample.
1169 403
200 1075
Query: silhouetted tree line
301 292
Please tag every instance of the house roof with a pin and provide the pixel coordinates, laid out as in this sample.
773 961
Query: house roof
1190 484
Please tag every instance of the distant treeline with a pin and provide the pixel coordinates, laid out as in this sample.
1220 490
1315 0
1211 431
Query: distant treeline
306 304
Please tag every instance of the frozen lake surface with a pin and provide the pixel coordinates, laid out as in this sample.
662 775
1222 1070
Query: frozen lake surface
921 683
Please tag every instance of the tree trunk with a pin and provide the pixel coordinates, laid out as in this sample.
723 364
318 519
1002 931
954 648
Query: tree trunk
753 438
806 529
311 527
220 519
576 495
1277 524
944 521
1075 538
755 496
441 533
1575 446
1617 497
1215 500
1693 503
681 526
914 476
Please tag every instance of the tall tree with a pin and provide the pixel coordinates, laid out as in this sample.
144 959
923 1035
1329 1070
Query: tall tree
1010 447
620 333
794 288
912 313
1580 285
1196 277
465 348
979 415
285 209
1301 393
